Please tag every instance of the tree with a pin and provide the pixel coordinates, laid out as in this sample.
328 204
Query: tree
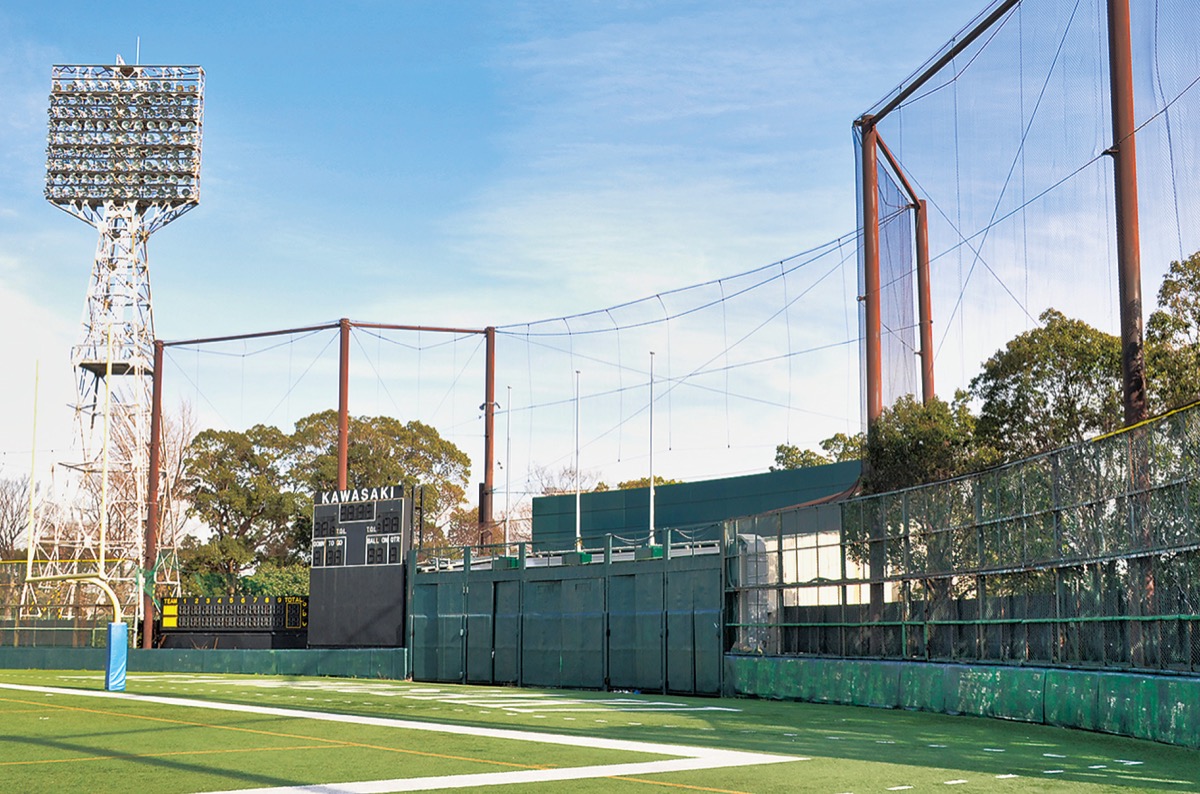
644 482
839 448
178 430
548 482
1173 338
790 456
254 488
842 448
236 485
14 515
1049 387
914 443
274 579
214 568
463 529
382 450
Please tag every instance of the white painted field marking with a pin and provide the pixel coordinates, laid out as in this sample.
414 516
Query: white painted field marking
1052 755
955 782
899 788
503 699
688 758
1005 777
992 750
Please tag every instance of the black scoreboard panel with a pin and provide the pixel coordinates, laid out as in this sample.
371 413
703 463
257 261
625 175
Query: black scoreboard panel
361 533
359 606
238 613
360 544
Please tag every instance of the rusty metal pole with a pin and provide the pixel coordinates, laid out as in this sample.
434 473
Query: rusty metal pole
153 475
1143 637
924 303
871 297
873 343
487 489
1129 266
343 404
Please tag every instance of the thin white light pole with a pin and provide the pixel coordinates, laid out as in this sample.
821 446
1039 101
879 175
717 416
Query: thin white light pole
651 539
30 534
507 462
578 510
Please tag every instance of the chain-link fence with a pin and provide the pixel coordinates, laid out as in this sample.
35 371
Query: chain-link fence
1086 556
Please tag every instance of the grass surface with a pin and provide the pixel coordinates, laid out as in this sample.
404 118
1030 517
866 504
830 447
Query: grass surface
57 743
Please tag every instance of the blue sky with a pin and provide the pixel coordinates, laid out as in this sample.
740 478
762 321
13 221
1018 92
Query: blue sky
470 163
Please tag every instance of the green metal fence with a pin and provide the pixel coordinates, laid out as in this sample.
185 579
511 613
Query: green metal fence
1088 556
614 618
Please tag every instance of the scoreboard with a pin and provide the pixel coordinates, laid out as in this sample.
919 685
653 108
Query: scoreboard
234 622
360 543
361 526
243 613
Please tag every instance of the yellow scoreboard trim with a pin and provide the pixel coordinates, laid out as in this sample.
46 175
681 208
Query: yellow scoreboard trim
170 613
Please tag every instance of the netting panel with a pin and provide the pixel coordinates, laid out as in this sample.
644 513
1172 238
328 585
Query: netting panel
1086 556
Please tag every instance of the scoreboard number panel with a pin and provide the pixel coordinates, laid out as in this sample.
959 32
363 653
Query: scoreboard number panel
235 613
361 526
356 511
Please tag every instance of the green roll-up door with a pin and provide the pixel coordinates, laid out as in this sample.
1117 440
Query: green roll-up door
681 640
707 594
583 633
479 632
451 625
622 632
542 630
425 632
507 632
648 611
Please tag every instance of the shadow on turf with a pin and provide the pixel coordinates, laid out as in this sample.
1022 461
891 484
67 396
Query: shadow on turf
166 764
982 745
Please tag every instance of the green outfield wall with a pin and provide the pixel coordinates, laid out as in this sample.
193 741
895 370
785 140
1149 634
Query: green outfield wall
697 506
1159 708
390 663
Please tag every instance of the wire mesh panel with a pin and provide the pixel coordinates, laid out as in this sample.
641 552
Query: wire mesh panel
1086 556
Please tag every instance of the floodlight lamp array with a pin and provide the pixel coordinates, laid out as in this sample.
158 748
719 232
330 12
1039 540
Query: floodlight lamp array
125 134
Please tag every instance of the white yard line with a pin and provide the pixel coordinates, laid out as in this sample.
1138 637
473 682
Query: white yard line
688 758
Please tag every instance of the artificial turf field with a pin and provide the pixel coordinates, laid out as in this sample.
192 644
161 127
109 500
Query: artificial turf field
363 735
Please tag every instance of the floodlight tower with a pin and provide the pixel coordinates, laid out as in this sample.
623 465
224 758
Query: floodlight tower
123 155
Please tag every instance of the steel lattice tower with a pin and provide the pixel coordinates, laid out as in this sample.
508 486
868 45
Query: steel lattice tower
123 155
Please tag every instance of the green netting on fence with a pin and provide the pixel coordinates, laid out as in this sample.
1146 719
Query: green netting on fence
1160 708
1088 556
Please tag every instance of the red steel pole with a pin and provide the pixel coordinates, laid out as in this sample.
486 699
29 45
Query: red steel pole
924 303
153 475
873 342
489 432
1129 266
343 404
871 297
